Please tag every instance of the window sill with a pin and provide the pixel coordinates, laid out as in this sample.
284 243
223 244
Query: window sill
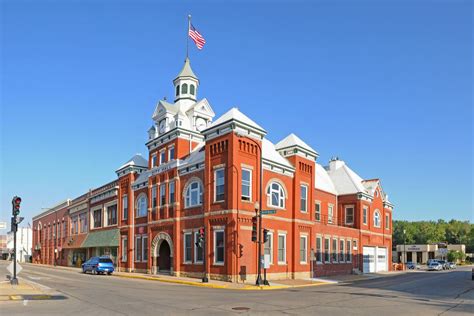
303 263
246 201
220 264
141 216
192 206
198 262
218 202
319 262
188 262
282 263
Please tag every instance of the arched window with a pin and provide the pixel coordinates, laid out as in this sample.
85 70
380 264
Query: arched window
142 205
377 218
191 89
276 195
177 90
184 88
193 194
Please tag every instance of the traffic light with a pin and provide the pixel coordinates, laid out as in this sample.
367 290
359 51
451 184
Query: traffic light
265 235
16 205
200 241
254 228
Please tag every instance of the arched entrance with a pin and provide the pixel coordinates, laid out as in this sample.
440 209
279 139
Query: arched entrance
162 252
164 259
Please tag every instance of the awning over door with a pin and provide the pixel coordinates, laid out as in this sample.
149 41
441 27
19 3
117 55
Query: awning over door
102 238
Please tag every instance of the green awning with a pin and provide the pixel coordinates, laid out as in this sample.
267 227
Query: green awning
102 238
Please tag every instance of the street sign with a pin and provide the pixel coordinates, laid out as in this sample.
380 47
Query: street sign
267 212
266 261
3 225
10 268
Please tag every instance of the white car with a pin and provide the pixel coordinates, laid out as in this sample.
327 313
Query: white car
435 266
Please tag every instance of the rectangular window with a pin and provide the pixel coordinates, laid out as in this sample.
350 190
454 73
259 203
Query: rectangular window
303 198
124 248
387 221
171 153
162 194
348 251
341 250
349 215
317 211
198 255
162 156
364 215
83 219
65 229
171 192
281 248
219 188
268 247
138 248
97 218
112 215
319 257
354 244
334 250
303 249
124 207
145 248
327 250
219 246
75 226
246 185
188 247
154 196
330 213
153 161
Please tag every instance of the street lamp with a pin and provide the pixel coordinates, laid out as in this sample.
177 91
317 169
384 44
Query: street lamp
258 209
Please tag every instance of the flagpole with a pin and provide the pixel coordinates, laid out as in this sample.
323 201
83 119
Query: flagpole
187 36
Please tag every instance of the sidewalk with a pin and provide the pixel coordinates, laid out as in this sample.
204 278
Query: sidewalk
215 284
347 278
25 290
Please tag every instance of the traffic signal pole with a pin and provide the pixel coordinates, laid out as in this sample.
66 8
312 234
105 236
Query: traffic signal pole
14 280
14 228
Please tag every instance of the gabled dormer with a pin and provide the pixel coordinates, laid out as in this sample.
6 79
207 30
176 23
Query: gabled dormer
292 145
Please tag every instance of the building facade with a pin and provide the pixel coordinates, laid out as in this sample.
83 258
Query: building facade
422 253
23 243
202 173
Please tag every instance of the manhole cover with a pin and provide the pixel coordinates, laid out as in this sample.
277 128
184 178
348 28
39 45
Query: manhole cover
241 308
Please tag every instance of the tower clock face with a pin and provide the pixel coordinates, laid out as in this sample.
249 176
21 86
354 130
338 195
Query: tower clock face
200 124
162 126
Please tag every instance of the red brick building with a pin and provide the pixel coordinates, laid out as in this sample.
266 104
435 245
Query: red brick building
205 173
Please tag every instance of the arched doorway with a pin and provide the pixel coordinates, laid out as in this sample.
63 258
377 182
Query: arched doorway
163 253
164 259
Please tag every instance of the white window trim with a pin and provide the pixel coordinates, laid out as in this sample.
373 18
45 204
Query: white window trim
343 251
335 251
305 261
199 191
366 210
345 214
184 248
215 185
354 244
172 183
250 185
169 153
349 250
144 237
137 237
161 152
215 247
331 206
91 219
377 212
305 199
317 203
270 238
123 206
154 159
269 196
162 185
154 195
196 235
136 213
387 222
284 250
124 250
106 213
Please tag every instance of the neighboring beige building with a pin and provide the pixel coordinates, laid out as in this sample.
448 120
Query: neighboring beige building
421 253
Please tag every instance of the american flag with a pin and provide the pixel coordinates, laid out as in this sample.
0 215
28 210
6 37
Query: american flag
196 36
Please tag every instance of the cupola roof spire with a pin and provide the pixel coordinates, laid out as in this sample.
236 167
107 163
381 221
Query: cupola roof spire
187 70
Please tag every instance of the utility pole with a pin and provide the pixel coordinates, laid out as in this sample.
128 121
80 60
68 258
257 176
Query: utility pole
404 249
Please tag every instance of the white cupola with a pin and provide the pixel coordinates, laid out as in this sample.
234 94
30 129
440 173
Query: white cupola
186 84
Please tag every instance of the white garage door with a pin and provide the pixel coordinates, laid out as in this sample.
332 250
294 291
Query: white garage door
381 260
369 259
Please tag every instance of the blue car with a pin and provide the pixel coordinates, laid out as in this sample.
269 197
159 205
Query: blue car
98 265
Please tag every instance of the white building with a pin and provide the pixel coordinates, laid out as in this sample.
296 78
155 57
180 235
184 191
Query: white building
24 240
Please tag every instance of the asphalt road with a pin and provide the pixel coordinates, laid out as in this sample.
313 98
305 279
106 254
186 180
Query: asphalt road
413 293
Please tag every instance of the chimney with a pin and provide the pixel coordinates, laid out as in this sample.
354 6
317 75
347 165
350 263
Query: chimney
335 163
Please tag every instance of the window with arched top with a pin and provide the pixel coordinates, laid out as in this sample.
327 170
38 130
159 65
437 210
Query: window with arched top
192 89
377 218
193 194
276 195
177 90
184 88
142 205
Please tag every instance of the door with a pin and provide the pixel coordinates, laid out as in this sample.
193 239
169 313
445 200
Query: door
164 260
369 259
381 259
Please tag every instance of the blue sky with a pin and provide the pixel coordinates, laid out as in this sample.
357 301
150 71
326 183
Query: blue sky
386 86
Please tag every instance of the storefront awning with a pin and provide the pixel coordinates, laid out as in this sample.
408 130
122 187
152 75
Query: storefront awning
102 238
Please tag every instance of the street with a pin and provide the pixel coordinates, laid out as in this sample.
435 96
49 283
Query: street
412 293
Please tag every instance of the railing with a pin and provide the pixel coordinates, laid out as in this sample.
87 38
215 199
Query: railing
332 220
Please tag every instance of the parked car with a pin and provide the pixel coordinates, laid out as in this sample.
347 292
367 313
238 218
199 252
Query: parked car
431 260
444 264
98 265
412 265
452 265
435 266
